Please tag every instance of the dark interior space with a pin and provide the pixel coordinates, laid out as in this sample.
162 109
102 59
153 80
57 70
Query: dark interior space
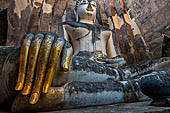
3 27
166 47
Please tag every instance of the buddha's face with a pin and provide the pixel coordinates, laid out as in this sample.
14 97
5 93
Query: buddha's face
86 9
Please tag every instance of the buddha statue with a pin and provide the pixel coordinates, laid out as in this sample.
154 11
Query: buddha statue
83 36
86 36
79 67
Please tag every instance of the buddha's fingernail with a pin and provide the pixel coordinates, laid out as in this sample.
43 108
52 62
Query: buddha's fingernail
34 98
99 59
66 67
26 90
19 86
46 88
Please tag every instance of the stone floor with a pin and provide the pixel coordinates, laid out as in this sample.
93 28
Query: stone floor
139 107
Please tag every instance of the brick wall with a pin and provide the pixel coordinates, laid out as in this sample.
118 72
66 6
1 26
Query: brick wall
152 17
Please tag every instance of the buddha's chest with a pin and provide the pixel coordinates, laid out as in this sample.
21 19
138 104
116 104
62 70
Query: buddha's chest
91 43
90 40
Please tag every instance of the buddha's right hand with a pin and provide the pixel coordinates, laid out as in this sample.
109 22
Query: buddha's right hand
115 62
39 55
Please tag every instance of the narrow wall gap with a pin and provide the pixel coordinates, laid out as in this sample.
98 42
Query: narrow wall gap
3 27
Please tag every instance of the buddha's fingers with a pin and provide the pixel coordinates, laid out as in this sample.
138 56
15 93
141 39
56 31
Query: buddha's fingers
111 60
23 61
33 54
41 68
114 62
53 60
67 55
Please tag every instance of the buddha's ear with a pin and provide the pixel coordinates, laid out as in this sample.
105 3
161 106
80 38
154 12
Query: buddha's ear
75 10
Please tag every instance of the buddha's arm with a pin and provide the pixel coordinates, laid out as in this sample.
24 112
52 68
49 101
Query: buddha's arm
110 47
66 35
113 56
68 51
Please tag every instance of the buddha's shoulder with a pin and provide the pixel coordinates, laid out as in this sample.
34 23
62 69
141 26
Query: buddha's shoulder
87 26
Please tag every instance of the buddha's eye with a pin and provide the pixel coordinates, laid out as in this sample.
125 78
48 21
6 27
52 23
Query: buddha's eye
83 3
94 5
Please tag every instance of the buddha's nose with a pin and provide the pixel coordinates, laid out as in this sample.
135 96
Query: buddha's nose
89 8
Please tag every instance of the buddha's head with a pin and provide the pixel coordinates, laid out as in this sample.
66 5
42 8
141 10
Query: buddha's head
86 11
